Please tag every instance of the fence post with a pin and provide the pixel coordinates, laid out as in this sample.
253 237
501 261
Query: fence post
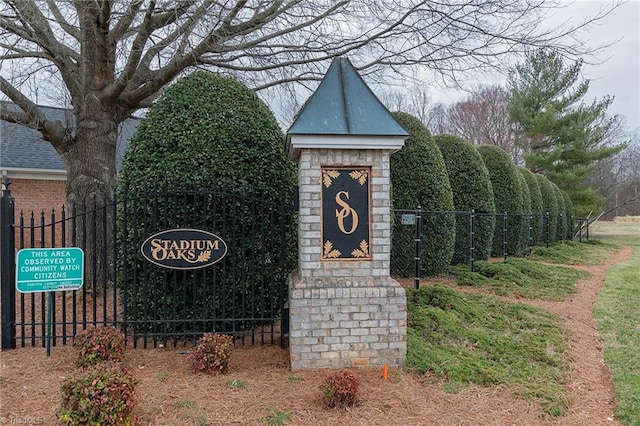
417 239
472 242
571 230
560 236
546 218
530 233
587 229
504 235
7 269
580 230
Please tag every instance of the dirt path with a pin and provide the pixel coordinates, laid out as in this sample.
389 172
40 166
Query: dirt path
171 395
592 390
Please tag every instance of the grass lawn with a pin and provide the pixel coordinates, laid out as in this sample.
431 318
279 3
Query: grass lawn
617 312
588 252
471 338
522 278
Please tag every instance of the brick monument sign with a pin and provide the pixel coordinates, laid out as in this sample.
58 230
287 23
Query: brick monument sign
345 310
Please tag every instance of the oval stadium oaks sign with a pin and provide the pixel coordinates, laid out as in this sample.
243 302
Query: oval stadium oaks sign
184 249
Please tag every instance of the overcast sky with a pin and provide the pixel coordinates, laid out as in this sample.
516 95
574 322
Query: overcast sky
619 73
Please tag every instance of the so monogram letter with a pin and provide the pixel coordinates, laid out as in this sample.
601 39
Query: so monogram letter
345 212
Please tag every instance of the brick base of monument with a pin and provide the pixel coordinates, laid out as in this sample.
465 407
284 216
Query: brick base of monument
354 322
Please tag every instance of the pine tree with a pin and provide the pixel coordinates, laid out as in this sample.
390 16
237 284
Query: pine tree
563 136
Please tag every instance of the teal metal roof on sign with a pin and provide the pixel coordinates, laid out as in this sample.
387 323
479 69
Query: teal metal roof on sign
343 104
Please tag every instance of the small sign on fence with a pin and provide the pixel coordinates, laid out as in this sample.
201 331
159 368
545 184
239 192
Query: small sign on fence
408 219
49 269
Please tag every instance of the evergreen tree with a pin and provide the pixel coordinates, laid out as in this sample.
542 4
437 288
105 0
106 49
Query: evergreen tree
526 234
549 209
563 136
561 224
568 206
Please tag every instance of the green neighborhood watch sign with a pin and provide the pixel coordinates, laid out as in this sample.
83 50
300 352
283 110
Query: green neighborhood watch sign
54 269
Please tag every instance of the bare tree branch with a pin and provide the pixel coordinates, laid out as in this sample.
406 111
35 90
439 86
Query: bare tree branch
61 20
114 57
37 25
258 38
124 23
31 116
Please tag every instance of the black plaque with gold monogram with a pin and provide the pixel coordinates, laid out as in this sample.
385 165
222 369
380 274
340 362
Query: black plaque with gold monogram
345 213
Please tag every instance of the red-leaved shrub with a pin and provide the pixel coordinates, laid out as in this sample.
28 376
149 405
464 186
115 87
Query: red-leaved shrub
103 394
341 389
99 344
211 354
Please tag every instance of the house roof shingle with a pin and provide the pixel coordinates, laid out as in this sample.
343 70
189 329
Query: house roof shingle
24 148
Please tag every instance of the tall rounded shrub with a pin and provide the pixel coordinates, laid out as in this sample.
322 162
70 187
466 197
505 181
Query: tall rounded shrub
507 194
561 229
570 213
549 207
536 204
419 178
526 233
212 129
472 190
215 153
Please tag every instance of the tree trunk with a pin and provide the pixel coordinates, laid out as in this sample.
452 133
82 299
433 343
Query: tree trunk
91 172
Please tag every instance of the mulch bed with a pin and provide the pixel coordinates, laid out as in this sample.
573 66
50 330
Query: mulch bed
170 394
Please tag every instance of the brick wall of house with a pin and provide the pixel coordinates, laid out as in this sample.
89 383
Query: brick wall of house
37 195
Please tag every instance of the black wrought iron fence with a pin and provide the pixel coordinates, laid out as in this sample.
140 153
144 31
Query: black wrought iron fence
479 235
157 306
244 294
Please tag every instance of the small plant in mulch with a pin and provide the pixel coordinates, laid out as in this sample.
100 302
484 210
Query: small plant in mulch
211 354
275 417
294 379
341 389
98 345
103 394
236 384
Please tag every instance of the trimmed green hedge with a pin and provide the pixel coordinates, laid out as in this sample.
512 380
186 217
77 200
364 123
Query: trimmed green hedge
207 136
507 194
472 190
536 204
549 205
208 127
419 178
562 225
525 233
570 213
